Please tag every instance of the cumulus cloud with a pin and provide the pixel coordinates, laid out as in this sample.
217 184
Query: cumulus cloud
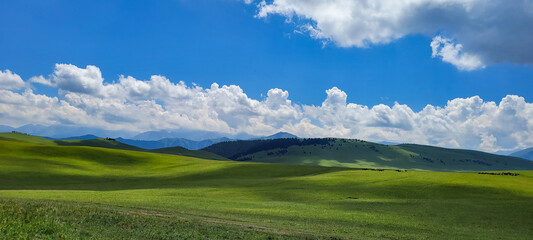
9 80
489 31
73 79
453 53
84 99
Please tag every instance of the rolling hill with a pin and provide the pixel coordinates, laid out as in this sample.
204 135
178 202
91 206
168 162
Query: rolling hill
73 192
106 143
83 137
99 142
525 154
361 154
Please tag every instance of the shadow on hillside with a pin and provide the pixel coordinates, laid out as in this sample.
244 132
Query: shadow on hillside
271 182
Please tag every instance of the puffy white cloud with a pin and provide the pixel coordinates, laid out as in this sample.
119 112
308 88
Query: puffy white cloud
158 103
28 107
73 79
9 80
453 53
488 31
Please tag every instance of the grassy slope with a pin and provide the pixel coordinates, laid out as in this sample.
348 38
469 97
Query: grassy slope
106 143
275 198
20 137
361 154
99 142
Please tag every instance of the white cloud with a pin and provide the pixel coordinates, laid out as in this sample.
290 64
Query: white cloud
73 79
41 80
453 53
157 103
489 31
9 80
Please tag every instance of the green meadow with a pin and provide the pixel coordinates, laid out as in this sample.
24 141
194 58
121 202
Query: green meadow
54 191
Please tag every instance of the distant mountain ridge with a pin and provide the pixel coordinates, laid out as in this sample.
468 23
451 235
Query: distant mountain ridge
278 135
172 142
525 154
190 139
64 131
191 144
195 135
4 128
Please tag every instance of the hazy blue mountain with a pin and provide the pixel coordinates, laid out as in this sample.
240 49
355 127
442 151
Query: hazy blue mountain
185 142
63 131
173 142
504 153
195 135
388 143
278 136
4 128
525 154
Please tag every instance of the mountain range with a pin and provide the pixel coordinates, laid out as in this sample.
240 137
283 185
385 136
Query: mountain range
330 152
195 135
192 144
66 131
190 139
174 142
525 154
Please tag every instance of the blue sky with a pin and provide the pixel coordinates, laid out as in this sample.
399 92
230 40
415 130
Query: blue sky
209 41
314 68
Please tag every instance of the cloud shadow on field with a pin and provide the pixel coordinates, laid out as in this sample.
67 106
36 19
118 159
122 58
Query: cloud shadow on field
269 181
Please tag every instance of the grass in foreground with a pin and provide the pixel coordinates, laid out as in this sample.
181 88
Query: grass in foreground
43 219
320 201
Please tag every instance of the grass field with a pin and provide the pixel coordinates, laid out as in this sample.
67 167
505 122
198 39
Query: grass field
44 219
353 153
49 191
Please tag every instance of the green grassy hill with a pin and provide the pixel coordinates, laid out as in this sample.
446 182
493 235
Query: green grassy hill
89 192
362 154
22 137
107 143
99 142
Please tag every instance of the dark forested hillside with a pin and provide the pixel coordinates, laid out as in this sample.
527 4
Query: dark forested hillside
361 154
